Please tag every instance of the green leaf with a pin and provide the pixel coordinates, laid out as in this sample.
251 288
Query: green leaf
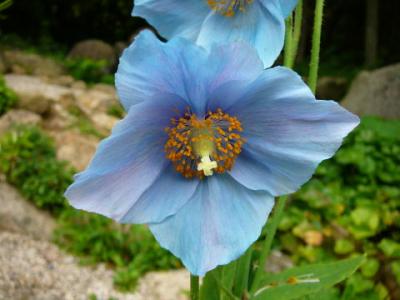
242 273
209 289
390 248
305 280
343 246
228 273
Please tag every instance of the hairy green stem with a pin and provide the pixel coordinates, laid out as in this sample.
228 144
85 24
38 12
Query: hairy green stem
270 230
316 45
194 287
288 51
298 22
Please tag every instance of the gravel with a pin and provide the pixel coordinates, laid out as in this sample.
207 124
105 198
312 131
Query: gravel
33 269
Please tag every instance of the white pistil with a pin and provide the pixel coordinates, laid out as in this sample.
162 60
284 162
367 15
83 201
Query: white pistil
207 165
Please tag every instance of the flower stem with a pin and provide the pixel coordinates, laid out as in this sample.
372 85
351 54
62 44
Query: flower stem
316 45
194 287
298 22
270 230
288 52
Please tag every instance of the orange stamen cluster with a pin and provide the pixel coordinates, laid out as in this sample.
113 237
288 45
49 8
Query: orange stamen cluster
216 136
228 8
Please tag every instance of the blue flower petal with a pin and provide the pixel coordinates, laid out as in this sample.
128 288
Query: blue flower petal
173 17
163 198
287 6
216 225
288 133
150 67
127 165
261 25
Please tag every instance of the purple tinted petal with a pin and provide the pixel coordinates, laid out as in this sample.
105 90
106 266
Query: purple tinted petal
169 192
150 67
216 225
127 163
288 133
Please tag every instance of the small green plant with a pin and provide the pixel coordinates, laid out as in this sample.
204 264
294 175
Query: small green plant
90 71
8 99
131 249
28 159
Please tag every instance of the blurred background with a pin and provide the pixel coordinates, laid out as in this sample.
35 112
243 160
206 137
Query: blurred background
57 100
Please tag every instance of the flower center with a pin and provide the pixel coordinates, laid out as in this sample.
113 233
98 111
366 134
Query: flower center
229 8
200 147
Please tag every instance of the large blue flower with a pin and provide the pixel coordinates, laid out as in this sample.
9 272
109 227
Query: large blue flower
257 22
209 140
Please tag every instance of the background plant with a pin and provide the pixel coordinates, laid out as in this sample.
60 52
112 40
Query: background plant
8 99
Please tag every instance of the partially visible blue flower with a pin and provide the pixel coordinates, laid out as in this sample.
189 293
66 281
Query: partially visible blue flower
210 138
257 22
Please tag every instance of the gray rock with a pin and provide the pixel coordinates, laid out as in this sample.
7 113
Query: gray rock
38 270
376 93
35 94
18 116
19 216
332 88
74 147
95 50
20 62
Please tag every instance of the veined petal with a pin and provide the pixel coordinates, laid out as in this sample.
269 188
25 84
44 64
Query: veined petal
150 67
262 26
173 17
288 133
216 225
169 192
127 164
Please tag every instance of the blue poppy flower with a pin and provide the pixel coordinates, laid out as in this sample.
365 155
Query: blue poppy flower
210 138
261 23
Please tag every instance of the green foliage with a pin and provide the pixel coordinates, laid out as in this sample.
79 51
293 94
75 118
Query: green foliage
352 204
132 249
90 71
28 159
8 99
305 280
5 4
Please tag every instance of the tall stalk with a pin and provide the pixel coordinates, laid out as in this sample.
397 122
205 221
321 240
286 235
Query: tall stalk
316 45
270 229
194 287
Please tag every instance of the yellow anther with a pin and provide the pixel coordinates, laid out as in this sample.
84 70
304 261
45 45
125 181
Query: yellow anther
200 147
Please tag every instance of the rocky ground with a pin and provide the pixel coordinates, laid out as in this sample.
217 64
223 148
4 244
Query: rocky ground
33 268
